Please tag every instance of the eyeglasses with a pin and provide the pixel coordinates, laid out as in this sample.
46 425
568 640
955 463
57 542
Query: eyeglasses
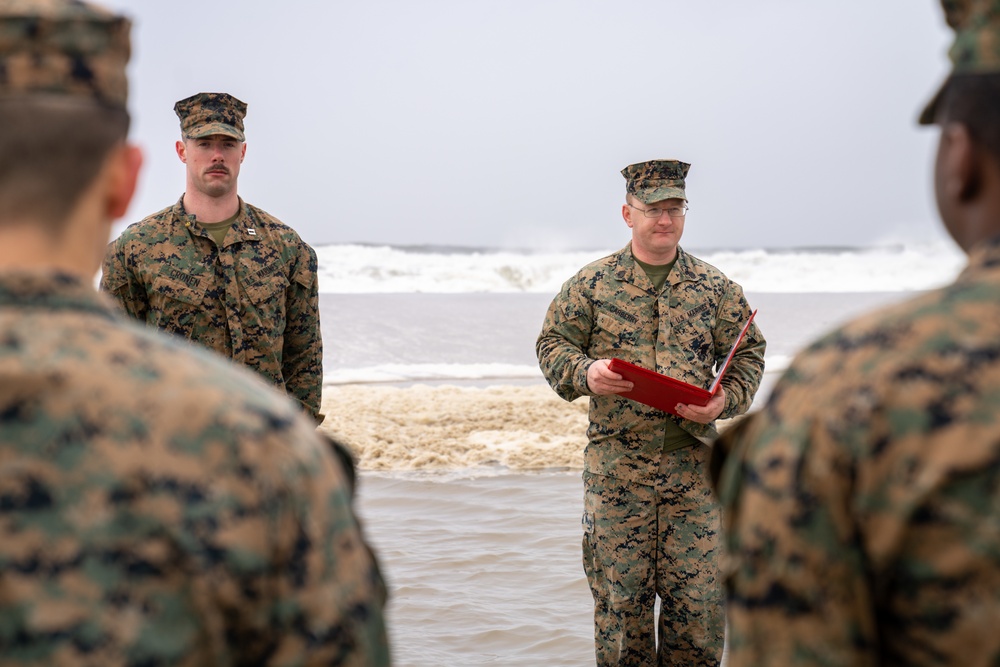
675 212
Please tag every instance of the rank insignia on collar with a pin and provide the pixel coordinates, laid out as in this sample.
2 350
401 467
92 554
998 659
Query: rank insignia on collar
251 231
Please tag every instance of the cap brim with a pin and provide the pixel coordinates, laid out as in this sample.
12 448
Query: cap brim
653 195
929 114
209 129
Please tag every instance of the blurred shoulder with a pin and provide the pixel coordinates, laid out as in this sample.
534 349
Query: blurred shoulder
154 228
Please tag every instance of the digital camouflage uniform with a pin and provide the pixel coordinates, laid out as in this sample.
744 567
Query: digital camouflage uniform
862 503
255 299
158 506
650 520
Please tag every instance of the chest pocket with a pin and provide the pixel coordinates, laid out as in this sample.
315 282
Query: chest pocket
176 302
266 291
613 337
264 309
692 331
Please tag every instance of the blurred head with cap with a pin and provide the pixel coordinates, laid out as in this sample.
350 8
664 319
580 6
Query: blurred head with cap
967 108
67 171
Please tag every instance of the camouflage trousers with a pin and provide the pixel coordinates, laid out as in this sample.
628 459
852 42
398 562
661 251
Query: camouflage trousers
642 541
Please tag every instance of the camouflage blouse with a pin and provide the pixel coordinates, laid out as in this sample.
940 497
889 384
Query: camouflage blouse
611 309
255 299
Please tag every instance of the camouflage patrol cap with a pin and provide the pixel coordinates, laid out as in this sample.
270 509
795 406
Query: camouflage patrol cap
976 49
205 114
66 48
656 180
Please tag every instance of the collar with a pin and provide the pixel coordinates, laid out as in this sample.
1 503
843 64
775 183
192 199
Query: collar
627 270
983 256
246 226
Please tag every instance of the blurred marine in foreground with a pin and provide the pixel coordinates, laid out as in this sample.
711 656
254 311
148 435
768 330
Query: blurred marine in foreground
862 503
157 505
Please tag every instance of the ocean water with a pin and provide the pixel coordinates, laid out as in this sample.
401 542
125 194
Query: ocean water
470 485
432 314
357 269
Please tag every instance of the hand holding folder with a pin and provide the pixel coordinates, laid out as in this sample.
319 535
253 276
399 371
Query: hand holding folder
664 392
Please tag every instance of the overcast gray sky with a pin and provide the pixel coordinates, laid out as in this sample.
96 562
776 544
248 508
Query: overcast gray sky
505 123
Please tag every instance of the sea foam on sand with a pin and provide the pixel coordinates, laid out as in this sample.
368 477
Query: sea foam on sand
435 428
423 427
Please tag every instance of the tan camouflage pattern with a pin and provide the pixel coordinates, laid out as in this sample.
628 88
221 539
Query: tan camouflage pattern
611 309
642 541
656 180
861 503
976 49
64 48
255 300
206 114
159 506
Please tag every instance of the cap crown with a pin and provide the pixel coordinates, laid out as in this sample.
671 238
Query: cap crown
977 35
656 180
66 48
206 114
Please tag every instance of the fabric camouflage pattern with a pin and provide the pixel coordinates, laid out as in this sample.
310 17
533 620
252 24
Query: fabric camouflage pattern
205 114
627 565
66 48
611 309
255 300
656 180
976 24
159 506
976 49
862 501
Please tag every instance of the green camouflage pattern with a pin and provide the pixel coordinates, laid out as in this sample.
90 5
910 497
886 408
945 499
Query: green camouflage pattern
65 48
861 503
206 114
160 506
642 541
656 180
977 27
976 49
255 299
611 309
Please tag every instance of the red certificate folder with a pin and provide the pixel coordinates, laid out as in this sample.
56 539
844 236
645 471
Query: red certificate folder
663 392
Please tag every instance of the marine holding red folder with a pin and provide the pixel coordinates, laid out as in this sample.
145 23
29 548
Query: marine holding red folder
664 392
650 521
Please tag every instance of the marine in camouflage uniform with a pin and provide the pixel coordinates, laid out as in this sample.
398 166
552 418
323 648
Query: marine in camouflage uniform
863 501
158 506
650 520
251 295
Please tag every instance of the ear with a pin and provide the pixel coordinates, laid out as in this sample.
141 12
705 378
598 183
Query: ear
122 179
958 164
627 215
181 151
243 152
